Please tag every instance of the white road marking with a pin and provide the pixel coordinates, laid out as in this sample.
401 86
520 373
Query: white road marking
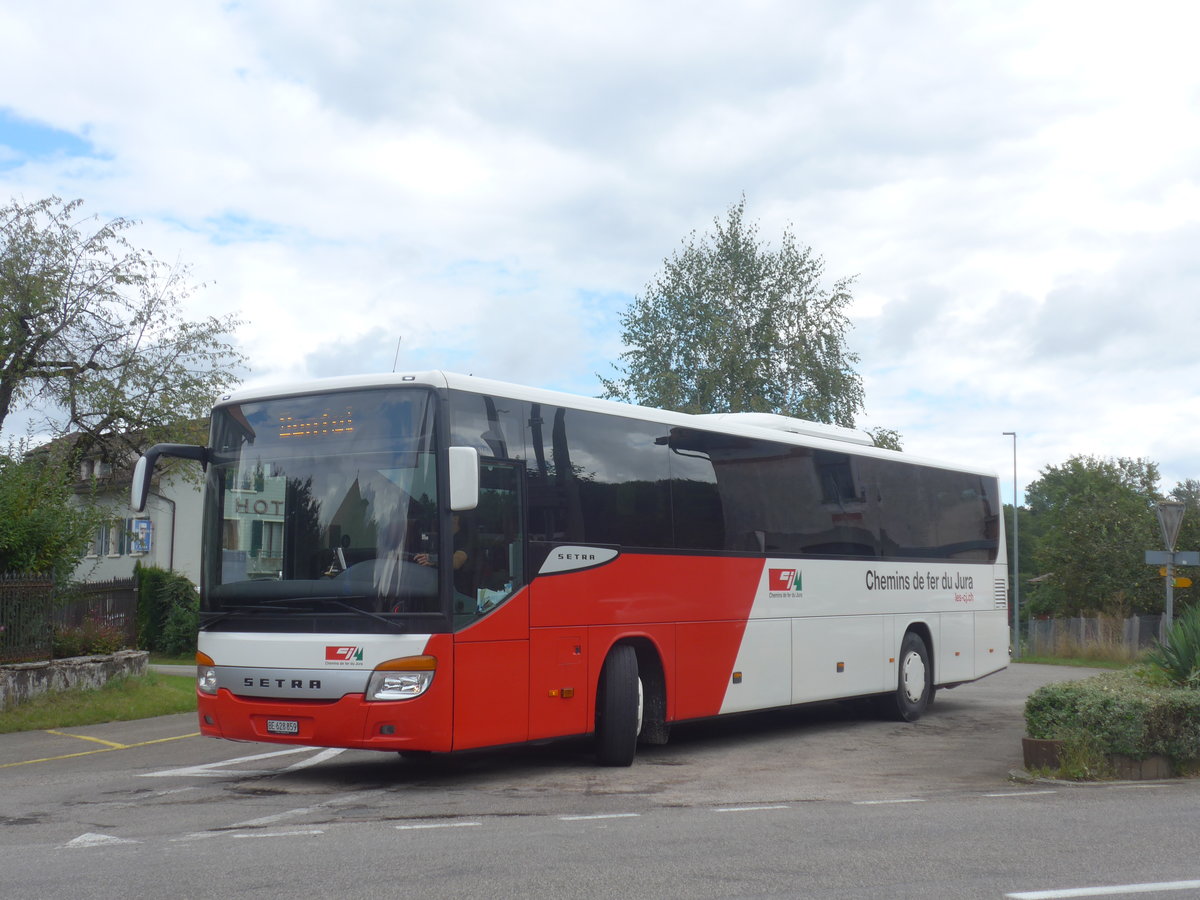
1020 793
91 839
601 816
437 825
272 819
887 802
198 836
1114 890
319 758
750 808
273 834
208 770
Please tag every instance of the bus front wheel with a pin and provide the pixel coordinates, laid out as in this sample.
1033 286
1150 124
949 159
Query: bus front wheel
914 681
618 708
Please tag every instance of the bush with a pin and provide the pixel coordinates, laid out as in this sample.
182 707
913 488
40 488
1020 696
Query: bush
168 612
92 638
178 636
1119 714
1178 658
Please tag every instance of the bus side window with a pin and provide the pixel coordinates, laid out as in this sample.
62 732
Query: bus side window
494 541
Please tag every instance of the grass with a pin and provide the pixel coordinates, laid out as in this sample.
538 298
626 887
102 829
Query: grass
1080 661
157 659
121 700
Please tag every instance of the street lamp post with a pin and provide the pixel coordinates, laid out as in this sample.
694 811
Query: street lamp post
1016 562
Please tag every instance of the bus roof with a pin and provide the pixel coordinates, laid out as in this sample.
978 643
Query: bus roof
768 426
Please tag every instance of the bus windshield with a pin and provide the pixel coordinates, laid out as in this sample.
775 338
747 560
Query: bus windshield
324 508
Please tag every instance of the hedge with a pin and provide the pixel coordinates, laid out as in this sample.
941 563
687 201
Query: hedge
1119 714
168 612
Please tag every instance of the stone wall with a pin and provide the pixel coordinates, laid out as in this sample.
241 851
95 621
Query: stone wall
22 681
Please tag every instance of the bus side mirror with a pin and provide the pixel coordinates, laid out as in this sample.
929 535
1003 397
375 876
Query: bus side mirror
464 478
141 484
140 488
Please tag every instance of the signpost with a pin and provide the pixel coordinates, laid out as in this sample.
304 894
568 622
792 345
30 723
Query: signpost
1170 515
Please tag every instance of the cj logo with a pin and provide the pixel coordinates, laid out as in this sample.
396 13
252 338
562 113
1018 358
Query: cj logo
785 580
343 654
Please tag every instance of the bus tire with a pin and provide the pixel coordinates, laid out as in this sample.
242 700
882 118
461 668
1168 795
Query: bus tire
618 708
914 680
655 730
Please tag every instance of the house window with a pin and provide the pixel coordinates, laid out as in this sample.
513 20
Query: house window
122 537
272 540
229 532
114 538
99 545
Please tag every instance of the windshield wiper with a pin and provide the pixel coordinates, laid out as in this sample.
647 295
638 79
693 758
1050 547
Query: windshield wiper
340 601
228 610
277 605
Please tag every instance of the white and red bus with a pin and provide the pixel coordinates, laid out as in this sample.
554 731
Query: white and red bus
433 562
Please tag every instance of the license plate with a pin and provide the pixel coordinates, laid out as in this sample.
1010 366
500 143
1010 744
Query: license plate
282 726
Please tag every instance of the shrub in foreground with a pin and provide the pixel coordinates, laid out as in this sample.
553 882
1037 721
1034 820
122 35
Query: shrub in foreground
1128 713
90 638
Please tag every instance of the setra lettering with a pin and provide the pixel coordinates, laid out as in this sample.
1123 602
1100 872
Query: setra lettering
295 684
574 556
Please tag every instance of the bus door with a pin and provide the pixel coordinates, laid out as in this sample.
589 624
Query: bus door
491 614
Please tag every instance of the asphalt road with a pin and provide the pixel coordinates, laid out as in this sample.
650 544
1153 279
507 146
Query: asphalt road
819 802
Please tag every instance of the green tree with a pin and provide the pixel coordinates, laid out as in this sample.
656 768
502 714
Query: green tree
1188 493
1030 540
730 325
91 330
1094 519
887 438
40 529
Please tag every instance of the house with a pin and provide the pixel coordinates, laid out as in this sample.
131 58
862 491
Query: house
166 534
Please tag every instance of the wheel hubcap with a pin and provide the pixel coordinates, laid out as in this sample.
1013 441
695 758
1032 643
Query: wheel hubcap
913 671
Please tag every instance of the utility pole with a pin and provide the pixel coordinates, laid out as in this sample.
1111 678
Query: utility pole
1016 562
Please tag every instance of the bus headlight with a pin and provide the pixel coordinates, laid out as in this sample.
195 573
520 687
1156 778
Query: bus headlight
206 674
401 679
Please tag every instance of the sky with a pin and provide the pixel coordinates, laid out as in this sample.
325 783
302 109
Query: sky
485 187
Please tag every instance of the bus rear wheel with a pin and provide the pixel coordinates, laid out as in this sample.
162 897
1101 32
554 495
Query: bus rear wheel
914 680
618 708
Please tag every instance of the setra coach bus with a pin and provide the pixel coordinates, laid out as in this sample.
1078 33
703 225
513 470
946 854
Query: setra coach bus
431 562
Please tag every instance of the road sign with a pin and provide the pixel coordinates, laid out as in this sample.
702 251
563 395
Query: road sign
1170 514
1167 558
1183 582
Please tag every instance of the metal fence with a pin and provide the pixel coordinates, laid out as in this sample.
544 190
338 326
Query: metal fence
31 609
26 617
1048 637
109 603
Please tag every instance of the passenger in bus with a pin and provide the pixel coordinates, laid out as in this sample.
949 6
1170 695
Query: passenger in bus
465 600
460 553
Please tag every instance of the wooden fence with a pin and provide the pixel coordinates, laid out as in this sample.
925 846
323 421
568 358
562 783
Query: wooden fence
1048 637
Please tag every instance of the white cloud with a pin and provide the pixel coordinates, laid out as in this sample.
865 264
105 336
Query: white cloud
1014 185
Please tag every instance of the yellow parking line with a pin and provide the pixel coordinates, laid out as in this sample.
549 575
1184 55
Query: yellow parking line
84 737
108 749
